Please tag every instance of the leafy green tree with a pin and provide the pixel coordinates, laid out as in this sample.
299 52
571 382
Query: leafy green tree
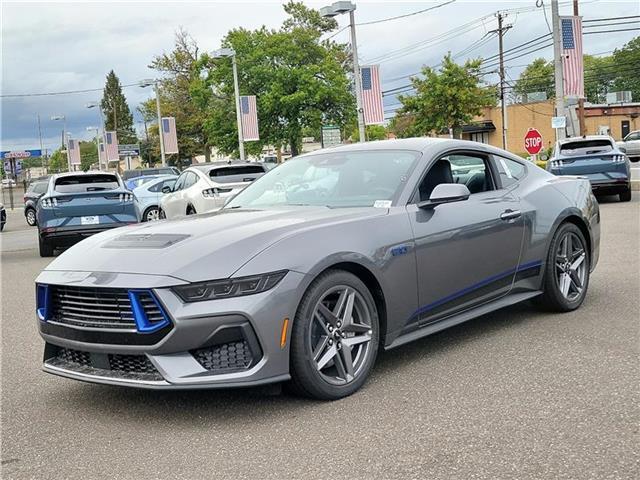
58 162
116 112
446 99
401 125
178 70
372 132
537 77
599 74
300 82
88 155
627 61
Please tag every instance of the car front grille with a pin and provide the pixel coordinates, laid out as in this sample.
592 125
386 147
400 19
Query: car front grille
225 358
108 308
137 367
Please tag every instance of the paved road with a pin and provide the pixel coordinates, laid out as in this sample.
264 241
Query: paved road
515 394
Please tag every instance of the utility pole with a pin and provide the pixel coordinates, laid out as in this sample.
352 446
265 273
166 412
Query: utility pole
557 63
503 103
42 159
583 128
160 134
357 75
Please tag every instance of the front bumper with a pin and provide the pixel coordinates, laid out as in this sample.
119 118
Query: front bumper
215 344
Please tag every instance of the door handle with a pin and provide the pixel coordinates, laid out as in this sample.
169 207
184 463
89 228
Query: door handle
510 214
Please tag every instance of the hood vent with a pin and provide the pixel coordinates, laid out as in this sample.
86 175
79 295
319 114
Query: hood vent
145 240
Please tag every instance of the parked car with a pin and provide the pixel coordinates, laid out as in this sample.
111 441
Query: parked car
143 172
135 182
77 205
308 286
31 196
598 158
148 195
203 188
3 216
631 145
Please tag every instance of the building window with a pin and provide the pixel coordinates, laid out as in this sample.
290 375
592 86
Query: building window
481 137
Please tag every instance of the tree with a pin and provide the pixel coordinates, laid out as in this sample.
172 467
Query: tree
627 61
401 125
116 112
88 155
598 77
58 162
447 99
372 132
300 81
537 77
178 70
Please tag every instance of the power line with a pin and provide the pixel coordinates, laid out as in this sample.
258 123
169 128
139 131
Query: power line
373 22
68 92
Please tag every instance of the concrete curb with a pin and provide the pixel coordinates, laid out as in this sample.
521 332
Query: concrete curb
635 185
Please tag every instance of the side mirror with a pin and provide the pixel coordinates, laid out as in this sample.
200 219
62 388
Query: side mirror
166 189
623 149
446 193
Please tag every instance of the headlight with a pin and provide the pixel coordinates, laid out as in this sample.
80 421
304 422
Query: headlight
231 287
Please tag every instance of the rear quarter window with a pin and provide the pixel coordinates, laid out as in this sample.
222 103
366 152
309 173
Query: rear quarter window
86 183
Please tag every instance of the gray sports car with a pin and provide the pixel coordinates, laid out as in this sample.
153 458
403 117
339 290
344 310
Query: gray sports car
306 274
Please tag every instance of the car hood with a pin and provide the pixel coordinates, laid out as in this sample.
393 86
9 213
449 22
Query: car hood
199 247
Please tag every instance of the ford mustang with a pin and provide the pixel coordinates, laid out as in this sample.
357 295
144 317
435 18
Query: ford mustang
307 273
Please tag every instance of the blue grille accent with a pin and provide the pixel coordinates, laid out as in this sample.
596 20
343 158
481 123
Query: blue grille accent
143 324
43 299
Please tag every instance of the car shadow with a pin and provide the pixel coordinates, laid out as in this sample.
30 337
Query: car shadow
225 406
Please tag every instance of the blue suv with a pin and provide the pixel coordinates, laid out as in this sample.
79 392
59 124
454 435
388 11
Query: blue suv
598 158
79 204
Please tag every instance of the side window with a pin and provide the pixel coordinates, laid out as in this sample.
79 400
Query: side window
180 182
469 169
633 136
510 171
190 180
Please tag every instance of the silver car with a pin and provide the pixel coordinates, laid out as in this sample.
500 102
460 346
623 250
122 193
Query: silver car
148 194
631 145
306 274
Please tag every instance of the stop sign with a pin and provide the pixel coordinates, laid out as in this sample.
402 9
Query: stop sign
533 141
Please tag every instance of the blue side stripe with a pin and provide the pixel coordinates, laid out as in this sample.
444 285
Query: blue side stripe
482 283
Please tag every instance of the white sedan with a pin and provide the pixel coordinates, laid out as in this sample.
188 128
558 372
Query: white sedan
204 188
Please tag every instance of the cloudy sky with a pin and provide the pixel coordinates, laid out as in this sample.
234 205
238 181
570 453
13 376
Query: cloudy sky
63 46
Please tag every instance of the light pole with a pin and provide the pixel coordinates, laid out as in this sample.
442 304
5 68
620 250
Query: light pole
64 132
226 53
333 10
99 107
147 83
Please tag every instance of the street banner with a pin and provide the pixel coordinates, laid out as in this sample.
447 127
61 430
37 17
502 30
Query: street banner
73 151
572 61
111 147
102 154
169 135
249 111
372 95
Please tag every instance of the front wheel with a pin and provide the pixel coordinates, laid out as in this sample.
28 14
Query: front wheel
30 216
151 214
334 340
566 276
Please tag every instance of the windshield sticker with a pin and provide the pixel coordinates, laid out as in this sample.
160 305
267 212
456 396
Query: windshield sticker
382 204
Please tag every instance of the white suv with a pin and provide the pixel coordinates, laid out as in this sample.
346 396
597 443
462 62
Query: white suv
203 188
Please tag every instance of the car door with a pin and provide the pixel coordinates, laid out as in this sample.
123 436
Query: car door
632 144
467 252
190 192
172 202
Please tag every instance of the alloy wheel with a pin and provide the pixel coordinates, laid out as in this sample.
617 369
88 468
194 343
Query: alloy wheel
340 335
152 215
31 217
571 267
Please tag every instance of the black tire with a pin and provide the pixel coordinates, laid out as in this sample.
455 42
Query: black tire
46 250
146 213
552 298
625 196
30 217
306 380
191 210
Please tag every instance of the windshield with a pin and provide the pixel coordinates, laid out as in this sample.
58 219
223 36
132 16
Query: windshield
341 179
586 147
86 183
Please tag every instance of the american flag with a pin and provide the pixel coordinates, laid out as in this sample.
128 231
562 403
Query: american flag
249 112
112 146
169 135
372 95
572 63
73 152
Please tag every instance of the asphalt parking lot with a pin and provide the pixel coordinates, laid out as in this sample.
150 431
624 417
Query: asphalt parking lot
515 394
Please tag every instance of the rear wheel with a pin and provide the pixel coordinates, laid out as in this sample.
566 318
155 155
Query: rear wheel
566 276
625 196
191 210
334 340
46 250
151 214
30 216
